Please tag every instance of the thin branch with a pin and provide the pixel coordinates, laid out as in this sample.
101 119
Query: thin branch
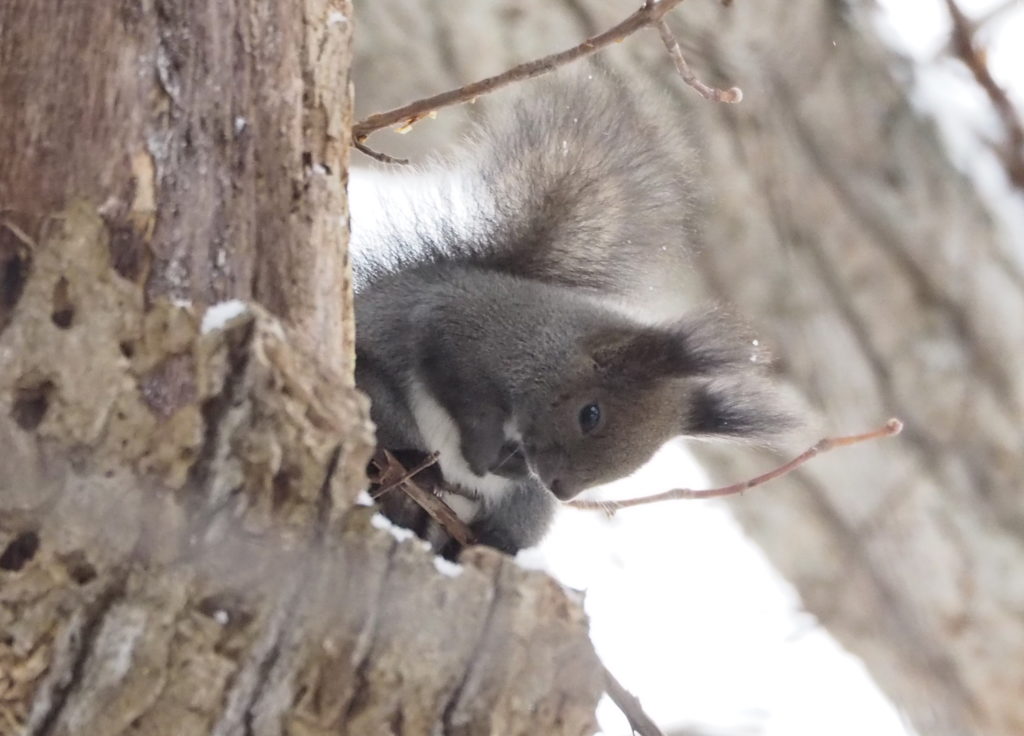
382 157
18 233
392 474
649 14
978 22
430 459
439 512
890 428
629 704
732 95
965 50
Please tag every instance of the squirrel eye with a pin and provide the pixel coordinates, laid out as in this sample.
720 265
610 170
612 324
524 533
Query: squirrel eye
589 417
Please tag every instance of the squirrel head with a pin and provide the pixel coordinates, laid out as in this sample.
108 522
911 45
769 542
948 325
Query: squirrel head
633 387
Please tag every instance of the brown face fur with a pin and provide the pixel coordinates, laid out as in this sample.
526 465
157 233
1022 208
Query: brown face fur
632 426
648 384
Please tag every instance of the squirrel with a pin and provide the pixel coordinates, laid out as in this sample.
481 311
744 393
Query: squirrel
498 298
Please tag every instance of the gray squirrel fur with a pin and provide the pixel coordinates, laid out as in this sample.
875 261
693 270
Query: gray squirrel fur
497 302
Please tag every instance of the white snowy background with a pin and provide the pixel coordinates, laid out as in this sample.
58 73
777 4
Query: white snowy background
684 609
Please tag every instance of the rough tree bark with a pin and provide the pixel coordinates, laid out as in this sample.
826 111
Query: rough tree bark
179 547
839 226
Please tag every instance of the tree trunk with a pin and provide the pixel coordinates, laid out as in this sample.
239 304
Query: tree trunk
840 227
180 551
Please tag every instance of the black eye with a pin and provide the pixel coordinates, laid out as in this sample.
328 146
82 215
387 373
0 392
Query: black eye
589 417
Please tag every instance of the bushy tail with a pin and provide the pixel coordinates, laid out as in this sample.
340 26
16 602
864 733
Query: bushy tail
575 181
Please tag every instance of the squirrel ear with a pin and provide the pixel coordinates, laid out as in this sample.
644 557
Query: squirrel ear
638 352
697 346
741 407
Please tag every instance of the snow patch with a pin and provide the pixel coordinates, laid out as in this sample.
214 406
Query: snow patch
220 314
447 568
380 521
532 558
680 601
396 216
364 499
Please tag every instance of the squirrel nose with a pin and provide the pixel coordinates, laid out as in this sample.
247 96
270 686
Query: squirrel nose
547 465
563 489
550 464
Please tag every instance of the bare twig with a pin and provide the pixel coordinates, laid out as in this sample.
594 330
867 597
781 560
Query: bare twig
964 48
427 462
439 512
629 704
393 474
733 94
892 427
18 233
649 14
382 157
989 16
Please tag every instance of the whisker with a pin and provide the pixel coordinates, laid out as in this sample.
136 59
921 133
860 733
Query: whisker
508 457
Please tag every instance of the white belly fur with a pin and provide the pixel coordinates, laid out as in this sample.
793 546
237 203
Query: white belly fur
441 435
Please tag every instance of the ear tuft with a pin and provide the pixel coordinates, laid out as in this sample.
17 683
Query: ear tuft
637 352
714 344
703 345
741 407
